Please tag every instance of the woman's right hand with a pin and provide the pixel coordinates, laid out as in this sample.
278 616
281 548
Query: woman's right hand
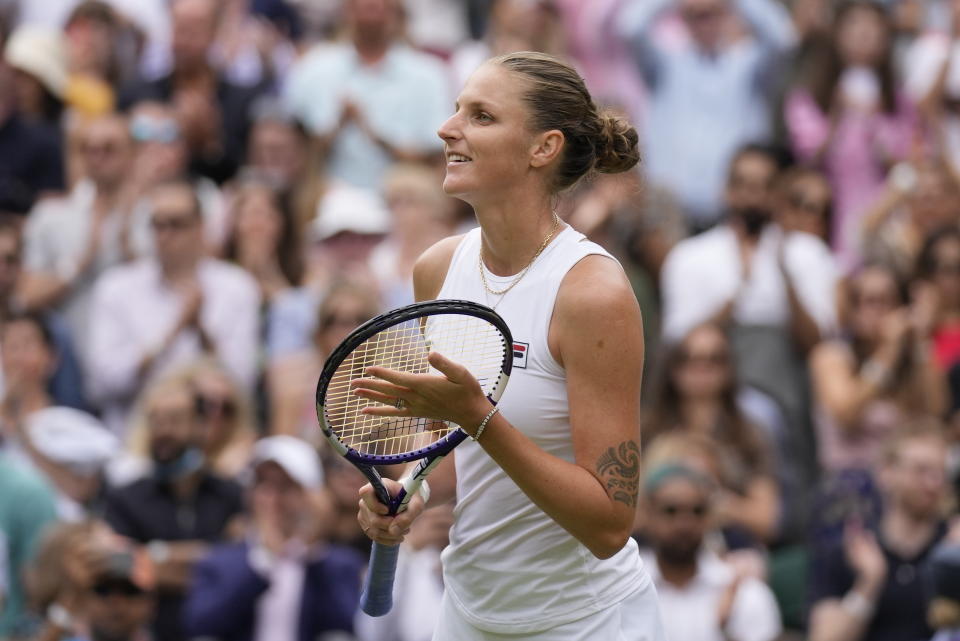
375 521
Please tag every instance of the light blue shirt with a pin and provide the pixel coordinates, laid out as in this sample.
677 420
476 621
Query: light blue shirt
405 98
704 107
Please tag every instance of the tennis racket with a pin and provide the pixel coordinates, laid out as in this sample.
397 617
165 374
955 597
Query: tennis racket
467 333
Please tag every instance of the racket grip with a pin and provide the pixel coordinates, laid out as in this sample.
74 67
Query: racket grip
377 597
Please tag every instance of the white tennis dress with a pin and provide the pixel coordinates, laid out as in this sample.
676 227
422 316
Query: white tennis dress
510 569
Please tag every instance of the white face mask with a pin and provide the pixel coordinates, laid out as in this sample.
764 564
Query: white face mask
860 88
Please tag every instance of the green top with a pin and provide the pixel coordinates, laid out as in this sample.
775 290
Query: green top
26 508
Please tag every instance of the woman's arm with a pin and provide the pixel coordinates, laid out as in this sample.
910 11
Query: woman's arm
843 391
596 335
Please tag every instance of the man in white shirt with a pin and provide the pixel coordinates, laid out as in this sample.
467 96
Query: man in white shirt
372 101
161 312
70 241
747 270
702 597
774 291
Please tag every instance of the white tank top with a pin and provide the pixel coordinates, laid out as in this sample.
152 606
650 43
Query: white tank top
509 567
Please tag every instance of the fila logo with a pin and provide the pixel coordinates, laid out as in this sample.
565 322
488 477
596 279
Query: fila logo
520 351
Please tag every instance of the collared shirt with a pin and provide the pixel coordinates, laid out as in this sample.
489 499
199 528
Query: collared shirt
703 107
690 612
404 98
701 274
278 609
134 309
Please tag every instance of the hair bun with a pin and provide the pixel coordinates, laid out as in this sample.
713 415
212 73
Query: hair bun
617 149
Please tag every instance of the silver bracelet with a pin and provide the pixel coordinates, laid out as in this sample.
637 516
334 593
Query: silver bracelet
483 423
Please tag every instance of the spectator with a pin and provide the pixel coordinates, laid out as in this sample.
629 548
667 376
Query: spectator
350 222
264 240
162 156
371 100
342 482
421 215
66 383
180 507
871 586
213 112
747 270
869 383
279 584
689 148
938 268
281 151
39 61
90 586
514 25
849 117
698 395
93 41
26 508
69 242
932 79
226 416
27 357
917 200
702 597
161 312
31 163
805 203
72 449
775 291
292 378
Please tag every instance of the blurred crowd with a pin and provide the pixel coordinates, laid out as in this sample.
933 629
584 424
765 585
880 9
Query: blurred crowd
200 198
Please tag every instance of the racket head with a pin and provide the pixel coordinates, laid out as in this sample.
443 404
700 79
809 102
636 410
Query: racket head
468 333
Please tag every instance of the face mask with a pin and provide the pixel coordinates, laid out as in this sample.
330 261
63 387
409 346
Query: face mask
754 219
187 463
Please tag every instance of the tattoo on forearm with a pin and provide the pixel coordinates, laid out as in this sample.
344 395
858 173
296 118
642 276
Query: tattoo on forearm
619 468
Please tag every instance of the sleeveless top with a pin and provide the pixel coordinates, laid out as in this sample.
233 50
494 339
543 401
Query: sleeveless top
509 567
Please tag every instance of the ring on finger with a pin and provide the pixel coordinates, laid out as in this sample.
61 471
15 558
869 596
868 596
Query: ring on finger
399 403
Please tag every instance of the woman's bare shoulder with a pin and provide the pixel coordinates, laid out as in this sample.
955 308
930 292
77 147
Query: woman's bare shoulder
431 268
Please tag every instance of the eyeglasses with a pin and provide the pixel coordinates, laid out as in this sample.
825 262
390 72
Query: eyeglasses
172 223
208 406
122 588
697 510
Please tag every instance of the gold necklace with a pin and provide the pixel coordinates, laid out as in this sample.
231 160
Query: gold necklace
523 272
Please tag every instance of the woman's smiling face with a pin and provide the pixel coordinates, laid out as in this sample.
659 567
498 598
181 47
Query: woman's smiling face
488 144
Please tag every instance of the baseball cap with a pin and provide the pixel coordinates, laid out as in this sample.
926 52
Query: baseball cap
295 456
346 208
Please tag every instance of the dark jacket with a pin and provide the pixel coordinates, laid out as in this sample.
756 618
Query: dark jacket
222 603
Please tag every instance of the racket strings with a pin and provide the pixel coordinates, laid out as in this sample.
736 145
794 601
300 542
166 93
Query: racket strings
469 341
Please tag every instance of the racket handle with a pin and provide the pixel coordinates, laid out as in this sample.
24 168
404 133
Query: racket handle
377 597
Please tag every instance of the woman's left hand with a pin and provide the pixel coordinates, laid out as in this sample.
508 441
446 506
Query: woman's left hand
454 396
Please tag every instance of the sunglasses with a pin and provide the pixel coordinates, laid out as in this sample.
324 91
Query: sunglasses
208 406
122 588
698 510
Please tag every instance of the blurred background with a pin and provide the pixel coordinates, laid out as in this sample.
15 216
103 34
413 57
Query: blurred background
200 198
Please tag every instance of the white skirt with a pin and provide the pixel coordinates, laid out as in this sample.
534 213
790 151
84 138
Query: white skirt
636 618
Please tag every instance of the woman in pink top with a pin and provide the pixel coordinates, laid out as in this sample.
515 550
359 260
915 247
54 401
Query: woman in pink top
848 116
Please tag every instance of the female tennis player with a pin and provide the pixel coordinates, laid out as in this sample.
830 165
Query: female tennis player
546 493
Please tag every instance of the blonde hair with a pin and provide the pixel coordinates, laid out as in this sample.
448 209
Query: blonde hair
242 426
